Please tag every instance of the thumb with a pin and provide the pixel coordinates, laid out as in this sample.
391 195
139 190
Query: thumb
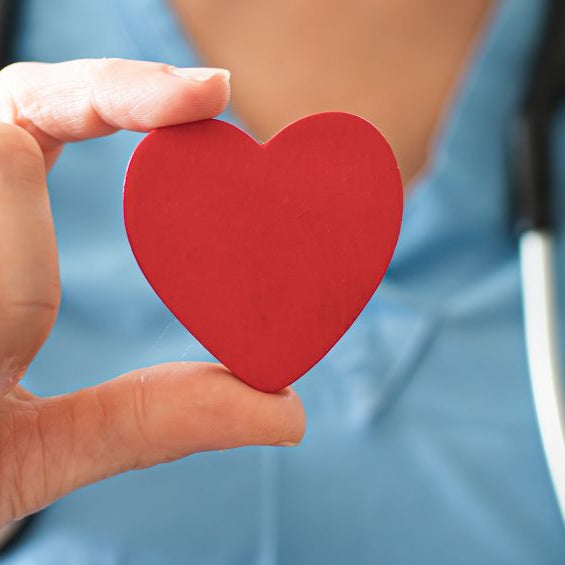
149 416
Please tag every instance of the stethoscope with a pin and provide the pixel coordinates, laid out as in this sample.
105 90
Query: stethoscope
536 232
531 153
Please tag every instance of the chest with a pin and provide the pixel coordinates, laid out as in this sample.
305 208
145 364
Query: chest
389 62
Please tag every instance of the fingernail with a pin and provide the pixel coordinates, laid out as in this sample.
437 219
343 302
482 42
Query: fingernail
199 74
286 444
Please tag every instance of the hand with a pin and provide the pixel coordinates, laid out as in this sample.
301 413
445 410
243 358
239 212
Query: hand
50 446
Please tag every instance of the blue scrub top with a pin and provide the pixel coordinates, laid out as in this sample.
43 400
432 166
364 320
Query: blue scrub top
422 444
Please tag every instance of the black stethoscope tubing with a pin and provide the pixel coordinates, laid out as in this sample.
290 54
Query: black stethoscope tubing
531 155
533 184
9 16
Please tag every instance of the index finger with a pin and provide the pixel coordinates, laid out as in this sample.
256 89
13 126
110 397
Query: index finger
86 98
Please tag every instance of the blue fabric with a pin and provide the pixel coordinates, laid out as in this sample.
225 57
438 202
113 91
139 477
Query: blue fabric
421 445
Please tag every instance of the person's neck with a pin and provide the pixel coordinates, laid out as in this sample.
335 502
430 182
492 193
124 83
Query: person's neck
394 62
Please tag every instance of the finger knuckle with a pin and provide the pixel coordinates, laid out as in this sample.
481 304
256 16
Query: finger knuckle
22 461
30 311
12 77
24 330
27 318
103 71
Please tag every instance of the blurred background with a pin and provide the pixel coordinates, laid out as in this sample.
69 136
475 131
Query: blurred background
422 442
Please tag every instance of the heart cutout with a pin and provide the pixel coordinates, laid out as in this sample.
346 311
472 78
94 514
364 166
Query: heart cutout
265 253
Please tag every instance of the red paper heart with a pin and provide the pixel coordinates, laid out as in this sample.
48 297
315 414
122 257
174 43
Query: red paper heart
265 253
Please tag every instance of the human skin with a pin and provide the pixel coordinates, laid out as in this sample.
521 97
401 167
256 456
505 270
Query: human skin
393 62
51 446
